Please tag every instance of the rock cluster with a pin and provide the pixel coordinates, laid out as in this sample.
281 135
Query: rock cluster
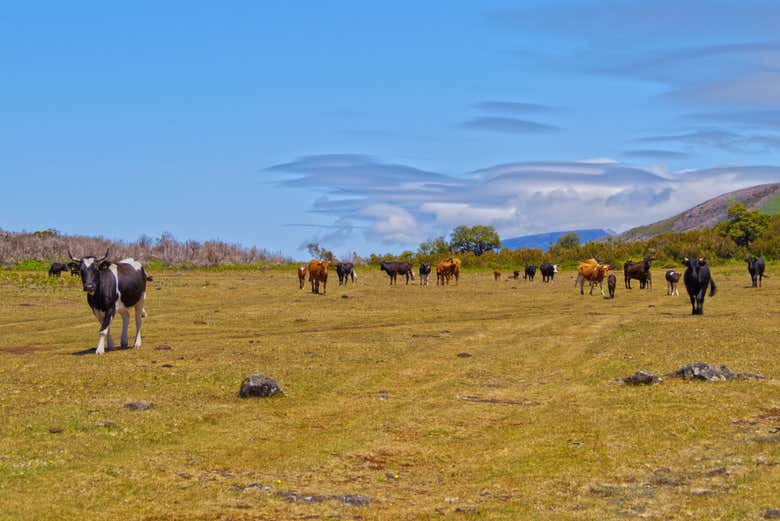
260 386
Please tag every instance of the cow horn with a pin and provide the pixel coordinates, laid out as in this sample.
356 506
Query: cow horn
72 257
104 256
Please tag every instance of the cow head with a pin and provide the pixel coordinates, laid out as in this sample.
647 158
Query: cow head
89 268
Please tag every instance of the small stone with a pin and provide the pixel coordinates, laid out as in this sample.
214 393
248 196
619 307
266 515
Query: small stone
55 430
107 424
464 355
258 385
163 347
383 395
772 513
139 405
167 365
345 296
641 378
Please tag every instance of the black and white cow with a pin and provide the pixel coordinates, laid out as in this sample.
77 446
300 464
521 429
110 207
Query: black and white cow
697 278
530 272
672 278
548 271
756 267
114 287
425 271
345 270
56 268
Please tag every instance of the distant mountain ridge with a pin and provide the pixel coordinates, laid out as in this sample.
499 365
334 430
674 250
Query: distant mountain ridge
709 213
544 240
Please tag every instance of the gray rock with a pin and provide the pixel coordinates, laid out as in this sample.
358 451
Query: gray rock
139 405
709 373
260 386
641 378
772 513
358 500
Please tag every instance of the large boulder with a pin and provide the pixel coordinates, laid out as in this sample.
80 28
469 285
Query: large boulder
709 373
260 386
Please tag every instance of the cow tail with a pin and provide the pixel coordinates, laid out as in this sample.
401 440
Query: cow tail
712 288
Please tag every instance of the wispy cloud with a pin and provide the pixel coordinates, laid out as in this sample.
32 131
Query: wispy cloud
650 153
508 125
514 107
722 139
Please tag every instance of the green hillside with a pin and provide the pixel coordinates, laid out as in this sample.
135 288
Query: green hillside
772 206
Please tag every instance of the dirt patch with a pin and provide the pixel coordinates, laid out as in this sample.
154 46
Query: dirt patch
21 350
478 399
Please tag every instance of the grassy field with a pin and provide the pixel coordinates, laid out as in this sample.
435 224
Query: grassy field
378 402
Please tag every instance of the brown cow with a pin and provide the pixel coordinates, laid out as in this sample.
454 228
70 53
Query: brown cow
496 275
302 276
594 272
449 267
318 272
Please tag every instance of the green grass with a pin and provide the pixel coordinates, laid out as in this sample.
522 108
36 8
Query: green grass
531 426
772 206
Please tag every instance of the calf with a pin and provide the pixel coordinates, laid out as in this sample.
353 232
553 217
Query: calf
496 275
530 272
395 268
697 278
302 276
56 269
611 283
345 271
548 271
425 271
516 275
114 288
74 268
672 278
756 266
446 269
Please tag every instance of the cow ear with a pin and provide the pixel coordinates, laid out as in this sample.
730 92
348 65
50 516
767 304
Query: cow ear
104 265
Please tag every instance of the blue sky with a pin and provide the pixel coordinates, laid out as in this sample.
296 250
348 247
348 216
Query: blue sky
371 127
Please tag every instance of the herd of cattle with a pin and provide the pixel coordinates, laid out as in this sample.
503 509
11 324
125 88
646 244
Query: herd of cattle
696 277
116 287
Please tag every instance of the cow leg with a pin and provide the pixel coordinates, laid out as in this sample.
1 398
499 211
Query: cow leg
139 317
105 325
125 313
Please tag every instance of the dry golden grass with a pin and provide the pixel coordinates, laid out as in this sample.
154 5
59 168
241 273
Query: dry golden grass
529 427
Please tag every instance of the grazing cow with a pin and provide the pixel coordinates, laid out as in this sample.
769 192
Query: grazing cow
425 271
114 287
672 278
345 271
318 273
496 275
516 275
56 269
449 267
697 278
530 272
548 271
639 271
74 268
593 272
611 284
302 276
395 268
756 266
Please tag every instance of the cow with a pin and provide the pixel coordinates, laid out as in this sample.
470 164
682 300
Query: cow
56 269
611 284
496 275
395 268
672 278
530 272
114 287
516 274
302 270
548 271
74 268
318 273
425 271
345 271
697 278
639 271
593 272
756 266
446 269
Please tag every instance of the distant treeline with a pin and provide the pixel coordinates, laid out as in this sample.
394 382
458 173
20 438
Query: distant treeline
668 249
51 246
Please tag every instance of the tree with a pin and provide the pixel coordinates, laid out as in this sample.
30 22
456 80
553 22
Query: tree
318 252
568 241
743 226
477 239
436 246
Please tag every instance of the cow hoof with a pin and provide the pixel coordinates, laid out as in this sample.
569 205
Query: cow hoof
99 351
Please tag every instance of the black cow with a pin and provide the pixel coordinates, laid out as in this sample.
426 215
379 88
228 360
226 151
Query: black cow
56 269
530 272
395 268
74 268
345 270
425 271
756 266
611 284
697 278
516 274
548 271
114 287
639 271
